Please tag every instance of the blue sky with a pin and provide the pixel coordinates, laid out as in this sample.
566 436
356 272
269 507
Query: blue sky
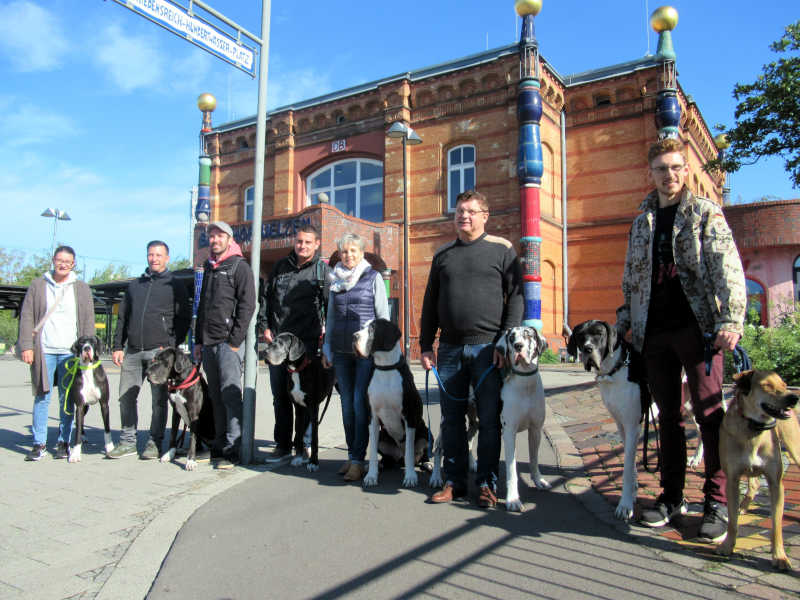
98 105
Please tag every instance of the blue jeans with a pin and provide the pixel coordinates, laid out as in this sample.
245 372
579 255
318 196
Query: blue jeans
352 375
459 368
56 367
223 368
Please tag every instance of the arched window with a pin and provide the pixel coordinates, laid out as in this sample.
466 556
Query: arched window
756 303
796 278
460 173
353 186
249 201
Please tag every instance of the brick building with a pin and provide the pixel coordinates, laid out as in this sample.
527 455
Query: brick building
768 238
329 161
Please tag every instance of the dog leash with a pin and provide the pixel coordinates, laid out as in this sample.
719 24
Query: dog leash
72 365
190 380
741 360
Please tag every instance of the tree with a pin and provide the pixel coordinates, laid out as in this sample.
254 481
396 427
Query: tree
180 263
111 272
768 113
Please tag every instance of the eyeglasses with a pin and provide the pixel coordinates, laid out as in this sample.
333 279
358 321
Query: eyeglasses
64 263
667 169
461 212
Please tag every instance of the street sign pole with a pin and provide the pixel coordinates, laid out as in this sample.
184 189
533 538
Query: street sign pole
251 354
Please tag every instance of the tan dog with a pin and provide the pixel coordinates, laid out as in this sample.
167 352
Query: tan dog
758 420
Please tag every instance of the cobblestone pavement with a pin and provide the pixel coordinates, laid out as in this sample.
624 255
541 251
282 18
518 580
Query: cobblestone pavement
587 445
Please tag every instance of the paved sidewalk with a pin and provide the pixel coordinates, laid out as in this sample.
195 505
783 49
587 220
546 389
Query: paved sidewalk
103 530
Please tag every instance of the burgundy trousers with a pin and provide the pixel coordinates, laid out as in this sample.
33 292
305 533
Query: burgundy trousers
665 353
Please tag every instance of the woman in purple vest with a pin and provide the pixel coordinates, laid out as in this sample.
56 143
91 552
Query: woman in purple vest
357 296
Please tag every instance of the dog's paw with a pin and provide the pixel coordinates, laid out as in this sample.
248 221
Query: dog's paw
624 512
370 479
75 454
725 548
540 483
168 456
435 480
297 461
694 461
410 480
191 465
514 504
312 468
781 563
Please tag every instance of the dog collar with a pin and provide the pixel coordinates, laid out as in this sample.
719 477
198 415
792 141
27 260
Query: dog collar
624 360
190 380
752 424
299 367
398 365
524 373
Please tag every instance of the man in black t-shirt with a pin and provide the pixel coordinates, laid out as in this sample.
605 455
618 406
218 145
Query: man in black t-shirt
474 293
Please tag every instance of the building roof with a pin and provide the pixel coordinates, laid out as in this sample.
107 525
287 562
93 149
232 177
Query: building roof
472 60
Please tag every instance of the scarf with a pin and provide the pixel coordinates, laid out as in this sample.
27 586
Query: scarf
343 279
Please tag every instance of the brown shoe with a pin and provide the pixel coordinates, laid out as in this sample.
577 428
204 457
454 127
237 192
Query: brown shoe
487 498
447 494
355 472
344 468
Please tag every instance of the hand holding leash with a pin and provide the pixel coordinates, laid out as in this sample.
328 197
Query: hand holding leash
428 360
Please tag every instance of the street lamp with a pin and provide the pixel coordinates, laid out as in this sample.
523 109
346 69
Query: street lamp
57 215
409 136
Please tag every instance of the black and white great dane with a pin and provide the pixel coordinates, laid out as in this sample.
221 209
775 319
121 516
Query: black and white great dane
187 391
598 347
87 384
394 402
523 405
309 383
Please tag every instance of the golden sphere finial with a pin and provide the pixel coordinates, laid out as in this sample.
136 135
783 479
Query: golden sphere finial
528 7
206 102
664 18
721 141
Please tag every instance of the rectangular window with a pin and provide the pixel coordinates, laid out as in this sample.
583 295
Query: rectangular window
249 202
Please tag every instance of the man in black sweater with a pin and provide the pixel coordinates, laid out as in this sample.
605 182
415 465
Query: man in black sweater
474 293
293 301
155 313
227 304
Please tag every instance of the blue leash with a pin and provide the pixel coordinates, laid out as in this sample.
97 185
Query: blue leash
741 360
442 389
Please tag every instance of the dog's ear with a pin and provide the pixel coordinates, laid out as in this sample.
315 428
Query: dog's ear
182 361
76 347
296 348
541 341
385 334
572 342
502 344
744 381
611 333
98 344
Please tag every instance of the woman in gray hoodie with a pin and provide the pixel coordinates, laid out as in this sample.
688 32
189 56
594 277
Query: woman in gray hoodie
58 308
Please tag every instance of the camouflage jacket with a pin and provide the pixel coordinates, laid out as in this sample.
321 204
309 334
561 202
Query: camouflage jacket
707 260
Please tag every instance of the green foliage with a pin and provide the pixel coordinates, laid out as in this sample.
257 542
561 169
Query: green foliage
111 272
548 357
768 113
181 263
772 349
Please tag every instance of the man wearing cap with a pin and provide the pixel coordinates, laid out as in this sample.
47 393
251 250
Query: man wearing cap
227 303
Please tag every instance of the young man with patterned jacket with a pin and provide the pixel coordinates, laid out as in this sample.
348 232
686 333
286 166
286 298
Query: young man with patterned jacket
683 288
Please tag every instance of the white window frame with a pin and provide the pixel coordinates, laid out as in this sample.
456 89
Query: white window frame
249 202
357 185
460 168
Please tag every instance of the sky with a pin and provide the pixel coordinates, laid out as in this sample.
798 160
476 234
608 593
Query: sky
98 108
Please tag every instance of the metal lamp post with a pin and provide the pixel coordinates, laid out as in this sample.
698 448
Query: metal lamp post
57 215
409 136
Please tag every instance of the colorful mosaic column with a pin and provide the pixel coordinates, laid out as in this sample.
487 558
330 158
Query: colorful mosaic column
206 103
529 162
668 108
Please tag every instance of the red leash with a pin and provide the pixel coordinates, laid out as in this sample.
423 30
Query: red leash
190 380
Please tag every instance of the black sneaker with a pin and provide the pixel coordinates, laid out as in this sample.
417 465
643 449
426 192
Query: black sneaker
278 455
121 450
226 463
714 527
38 452
150 451
62 451
662 512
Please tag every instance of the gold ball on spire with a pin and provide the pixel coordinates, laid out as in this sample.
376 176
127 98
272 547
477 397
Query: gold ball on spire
664 18
206 102
528 7
721 141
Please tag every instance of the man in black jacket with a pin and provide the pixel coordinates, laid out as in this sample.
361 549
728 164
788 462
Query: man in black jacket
293 301
227 304
155 313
